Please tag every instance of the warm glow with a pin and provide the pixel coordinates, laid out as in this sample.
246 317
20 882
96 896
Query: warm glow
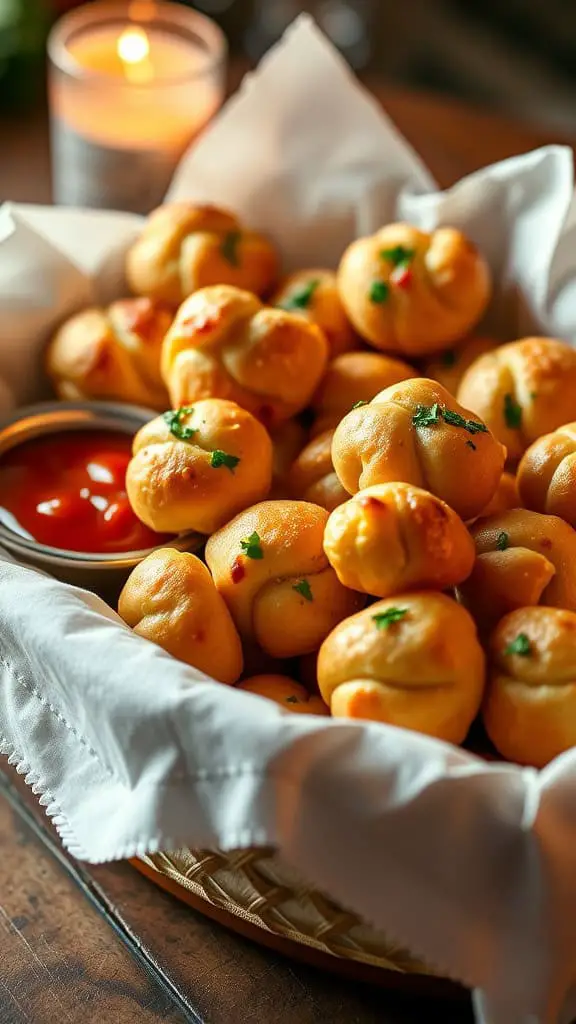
133 46
141 10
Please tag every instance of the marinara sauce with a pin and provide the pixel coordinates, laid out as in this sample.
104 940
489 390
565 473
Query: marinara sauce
68 490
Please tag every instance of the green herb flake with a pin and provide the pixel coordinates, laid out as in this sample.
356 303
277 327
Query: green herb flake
252 545
219 458
521 646
304 588
512 412
229 248
448 358
502 541
533 395
301 299
173 418
358 405
426 415
291 700
379 292
386 619
397 255
454 419
474 427
470 444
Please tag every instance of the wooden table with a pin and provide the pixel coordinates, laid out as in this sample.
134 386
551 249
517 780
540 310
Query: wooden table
83 944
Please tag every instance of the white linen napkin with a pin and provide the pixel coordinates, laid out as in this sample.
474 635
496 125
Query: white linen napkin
470 865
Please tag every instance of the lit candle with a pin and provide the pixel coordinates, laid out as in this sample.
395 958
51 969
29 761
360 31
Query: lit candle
130 87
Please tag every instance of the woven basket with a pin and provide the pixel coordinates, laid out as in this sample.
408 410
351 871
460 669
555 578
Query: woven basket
253 890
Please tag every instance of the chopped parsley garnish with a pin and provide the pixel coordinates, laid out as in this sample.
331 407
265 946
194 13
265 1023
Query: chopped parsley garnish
301 298
512 412
379 291
397 255
291 700
385 619
173 418
521 645
448 358
502 541
252 545
470 444
454 419
358 405
533 395
426 415
304 588
219 458
474 427
229 248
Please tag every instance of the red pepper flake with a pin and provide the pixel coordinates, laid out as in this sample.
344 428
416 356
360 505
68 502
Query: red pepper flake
202 323
238 571
141 317
102 357
371 503
402 276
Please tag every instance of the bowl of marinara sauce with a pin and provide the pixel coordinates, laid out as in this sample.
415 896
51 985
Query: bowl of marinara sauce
63 502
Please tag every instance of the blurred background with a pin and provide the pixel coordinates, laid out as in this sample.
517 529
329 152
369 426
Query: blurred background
515 56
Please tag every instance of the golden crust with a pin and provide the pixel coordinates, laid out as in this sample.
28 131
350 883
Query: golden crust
176 484
424 671
224 343
529 710
284 691
186 246
449 367
351 378
394 537
313 294
522 558
408 291
522 390
312 477
111 353
170 599
288 598
547 474
384 441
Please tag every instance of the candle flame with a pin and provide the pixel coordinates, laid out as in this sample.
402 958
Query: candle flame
133 49
133 46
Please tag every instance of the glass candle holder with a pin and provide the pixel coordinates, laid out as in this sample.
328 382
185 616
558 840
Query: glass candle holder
130 85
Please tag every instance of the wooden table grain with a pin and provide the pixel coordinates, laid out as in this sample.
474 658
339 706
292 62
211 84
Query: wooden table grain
102 945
